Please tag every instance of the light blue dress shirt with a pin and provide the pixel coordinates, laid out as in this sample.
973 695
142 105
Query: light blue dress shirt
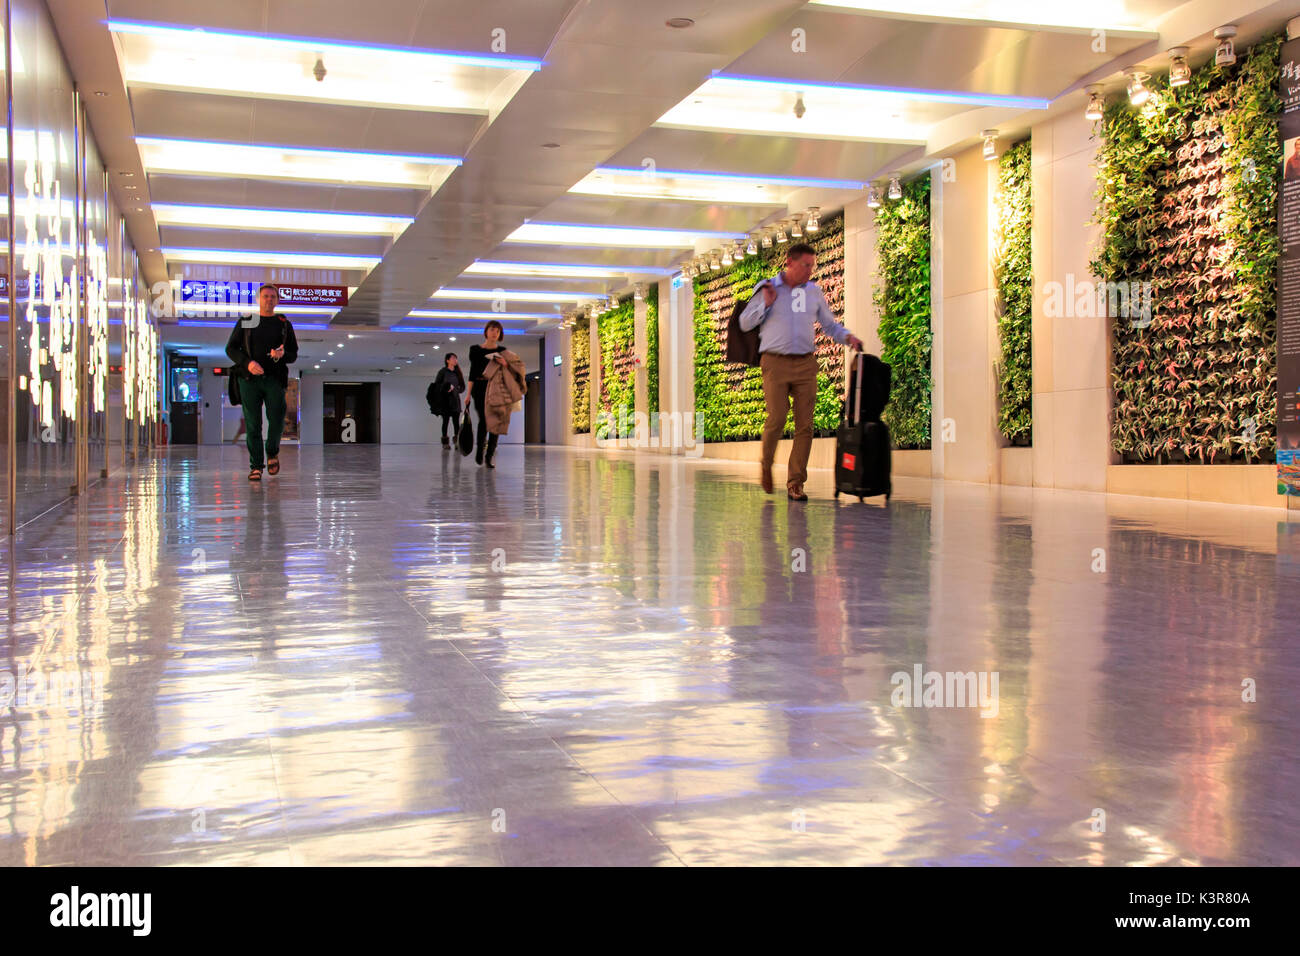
786 327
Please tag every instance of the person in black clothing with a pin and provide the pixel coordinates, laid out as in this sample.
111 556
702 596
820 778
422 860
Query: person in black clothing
443 396
479 356
261 349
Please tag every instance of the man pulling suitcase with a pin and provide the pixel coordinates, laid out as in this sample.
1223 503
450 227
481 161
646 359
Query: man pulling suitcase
783 310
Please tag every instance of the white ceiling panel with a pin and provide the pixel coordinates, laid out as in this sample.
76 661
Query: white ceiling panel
184 237
430 24
240 119
264 194
861 50
1101 14
746 154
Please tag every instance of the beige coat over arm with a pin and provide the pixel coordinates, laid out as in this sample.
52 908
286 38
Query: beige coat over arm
505 387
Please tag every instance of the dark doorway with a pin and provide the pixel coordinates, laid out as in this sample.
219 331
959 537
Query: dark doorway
533 409
351 412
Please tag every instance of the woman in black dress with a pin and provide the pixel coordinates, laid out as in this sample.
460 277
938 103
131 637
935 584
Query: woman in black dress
444 396
479 357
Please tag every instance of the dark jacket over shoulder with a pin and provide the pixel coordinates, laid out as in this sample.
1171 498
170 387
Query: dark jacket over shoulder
441 395
264 334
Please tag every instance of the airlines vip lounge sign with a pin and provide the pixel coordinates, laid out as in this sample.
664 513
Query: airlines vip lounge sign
244 294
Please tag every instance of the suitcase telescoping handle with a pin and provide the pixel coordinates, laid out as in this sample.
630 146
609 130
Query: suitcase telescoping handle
853 407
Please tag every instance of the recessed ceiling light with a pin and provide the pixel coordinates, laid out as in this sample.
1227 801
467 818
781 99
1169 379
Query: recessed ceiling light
279 220
452 339
680 23
550 146
196 158
125 172
100 93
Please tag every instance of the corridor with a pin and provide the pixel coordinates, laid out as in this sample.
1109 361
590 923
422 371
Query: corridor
387 655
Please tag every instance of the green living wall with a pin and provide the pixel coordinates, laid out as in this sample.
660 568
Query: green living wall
580 356
728 397
1014 274
1188 207
617 331
652 349
903 300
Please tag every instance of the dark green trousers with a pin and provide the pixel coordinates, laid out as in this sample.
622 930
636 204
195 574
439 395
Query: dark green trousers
255 392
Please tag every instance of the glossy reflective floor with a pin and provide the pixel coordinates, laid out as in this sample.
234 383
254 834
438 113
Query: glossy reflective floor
398 657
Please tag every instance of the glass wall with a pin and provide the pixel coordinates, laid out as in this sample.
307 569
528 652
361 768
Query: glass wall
95 264
75 283
48 314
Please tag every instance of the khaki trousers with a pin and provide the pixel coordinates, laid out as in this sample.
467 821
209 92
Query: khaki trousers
786 378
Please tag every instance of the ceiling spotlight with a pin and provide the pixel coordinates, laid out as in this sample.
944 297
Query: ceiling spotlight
1226 53
714 263
873 197
1138 93
780 234
318 70
688 271
1096 105
726 255
767 239
990 143
895 187
814 219
752 247
799 108
738 252
795 231
452 339
639 292
1180 74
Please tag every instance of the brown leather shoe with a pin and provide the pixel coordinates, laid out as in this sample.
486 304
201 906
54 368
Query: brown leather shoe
795 493
766 478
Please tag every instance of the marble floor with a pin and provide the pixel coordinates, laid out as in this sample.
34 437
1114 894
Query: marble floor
395 657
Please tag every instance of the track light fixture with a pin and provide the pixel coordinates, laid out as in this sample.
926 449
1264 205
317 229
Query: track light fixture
726 255
1096 105
1180 74
795 231
873 197
715 263
1138 93
752 247
990 143
780 234
767 239
318 70
814 219
799 108
895 187
1226 53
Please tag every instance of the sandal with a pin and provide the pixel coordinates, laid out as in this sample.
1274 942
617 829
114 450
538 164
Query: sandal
273 465
255 474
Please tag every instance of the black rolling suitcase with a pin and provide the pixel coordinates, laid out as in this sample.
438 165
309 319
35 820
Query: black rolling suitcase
862 444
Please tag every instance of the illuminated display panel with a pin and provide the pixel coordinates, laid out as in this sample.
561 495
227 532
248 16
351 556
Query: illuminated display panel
95 235
48 317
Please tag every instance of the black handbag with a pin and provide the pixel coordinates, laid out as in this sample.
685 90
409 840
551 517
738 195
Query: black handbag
465 437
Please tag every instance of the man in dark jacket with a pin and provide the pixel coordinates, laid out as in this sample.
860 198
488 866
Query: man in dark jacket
261 348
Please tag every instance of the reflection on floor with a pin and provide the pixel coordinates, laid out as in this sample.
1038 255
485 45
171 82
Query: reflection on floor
398 657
